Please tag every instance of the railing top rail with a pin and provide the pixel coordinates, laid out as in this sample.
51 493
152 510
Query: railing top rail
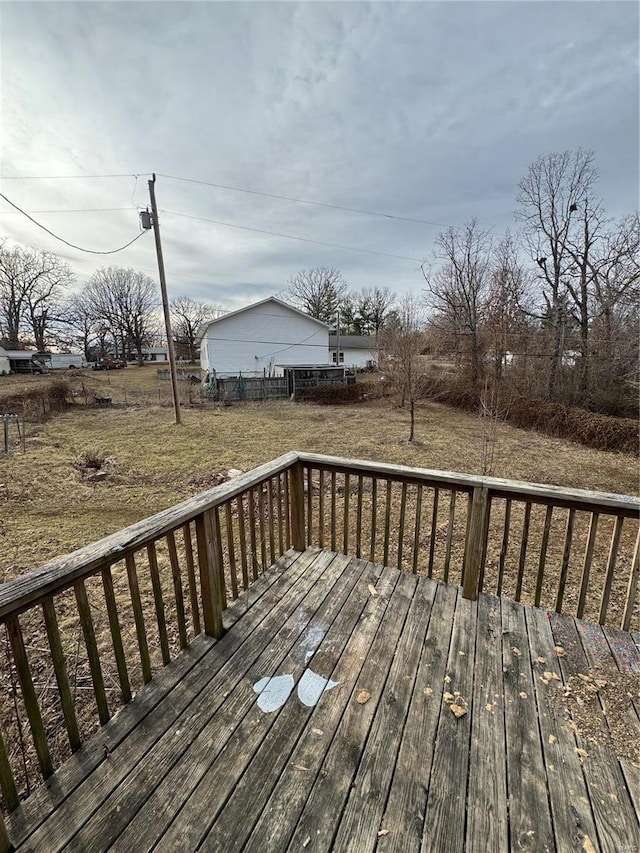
535 492
18 594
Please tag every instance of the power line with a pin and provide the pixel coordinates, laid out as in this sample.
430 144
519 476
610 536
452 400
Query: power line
302 200
292 237
75 210
66 242
69 177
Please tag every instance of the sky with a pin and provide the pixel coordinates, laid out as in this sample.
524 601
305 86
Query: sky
428 111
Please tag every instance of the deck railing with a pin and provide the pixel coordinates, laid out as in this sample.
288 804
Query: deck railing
85 631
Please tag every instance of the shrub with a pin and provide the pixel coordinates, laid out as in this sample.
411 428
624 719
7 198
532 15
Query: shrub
332 395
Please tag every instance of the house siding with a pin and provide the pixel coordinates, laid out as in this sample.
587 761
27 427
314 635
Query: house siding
261 339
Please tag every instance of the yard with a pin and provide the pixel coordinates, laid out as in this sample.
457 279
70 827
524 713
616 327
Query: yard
51 502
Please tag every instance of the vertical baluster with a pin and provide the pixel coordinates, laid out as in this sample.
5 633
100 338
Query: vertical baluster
345 524
177 589
270 514
566 553
252 533
6 845
7 782
416 530
60 669
505 545
467 530
543 553
523 549
281 548
92 651
447 553
261 527
298 532
586 563
242 535
333 510
321 509
309 506
138 616
287 512
434 530
611 565
231 549
374 513
387 524
359 518
478 531
116 636
191 574
632 588
158 601
29 696
403 510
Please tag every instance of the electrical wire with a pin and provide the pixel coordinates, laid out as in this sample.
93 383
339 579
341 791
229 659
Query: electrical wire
68 177
292 236
302 200
66 242
75 210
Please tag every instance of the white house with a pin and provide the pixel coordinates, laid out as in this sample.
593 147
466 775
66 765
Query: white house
261 339
355 350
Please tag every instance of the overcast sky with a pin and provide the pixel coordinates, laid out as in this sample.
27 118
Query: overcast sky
431 111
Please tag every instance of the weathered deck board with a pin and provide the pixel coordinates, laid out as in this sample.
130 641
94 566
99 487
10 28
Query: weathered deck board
194 762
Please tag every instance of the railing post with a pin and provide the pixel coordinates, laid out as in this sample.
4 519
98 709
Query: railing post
478 529
210 570
296 507
5 842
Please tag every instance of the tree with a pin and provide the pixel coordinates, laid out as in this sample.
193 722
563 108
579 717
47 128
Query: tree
458 289
31 284
187 315
400 345
318 291
78 323
555 187
124 301
364 312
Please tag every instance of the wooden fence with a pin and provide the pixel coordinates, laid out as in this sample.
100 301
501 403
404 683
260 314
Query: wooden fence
84 632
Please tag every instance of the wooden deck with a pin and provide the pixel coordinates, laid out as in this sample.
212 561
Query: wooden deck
382 761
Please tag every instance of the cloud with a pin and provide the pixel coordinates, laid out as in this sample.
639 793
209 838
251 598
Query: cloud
427 110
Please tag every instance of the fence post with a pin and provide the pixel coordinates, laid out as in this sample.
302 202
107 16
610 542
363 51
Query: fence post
478 529
210 571
296 497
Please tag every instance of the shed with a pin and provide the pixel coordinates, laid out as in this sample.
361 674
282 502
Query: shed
354 351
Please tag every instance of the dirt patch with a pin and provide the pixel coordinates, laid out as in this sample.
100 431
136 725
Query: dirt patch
600 707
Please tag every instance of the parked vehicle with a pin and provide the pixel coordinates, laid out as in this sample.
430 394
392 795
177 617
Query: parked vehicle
64 360
109 363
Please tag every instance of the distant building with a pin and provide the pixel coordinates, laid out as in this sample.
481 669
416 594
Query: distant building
356 351
262 339
154 354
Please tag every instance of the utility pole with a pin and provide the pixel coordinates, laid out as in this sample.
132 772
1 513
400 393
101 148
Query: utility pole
165 300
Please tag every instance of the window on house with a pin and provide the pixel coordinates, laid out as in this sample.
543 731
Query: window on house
334 356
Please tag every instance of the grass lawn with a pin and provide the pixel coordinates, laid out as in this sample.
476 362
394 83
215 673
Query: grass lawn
48 508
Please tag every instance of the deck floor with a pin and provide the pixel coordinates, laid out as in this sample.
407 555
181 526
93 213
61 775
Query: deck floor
444 731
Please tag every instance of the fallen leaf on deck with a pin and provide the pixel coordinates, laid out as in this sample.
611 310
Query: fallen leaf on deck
516 650
541 660
299 767
552 738
551 675
447 679
489 706
462 654
559 651
307 841
458 710
317 731
383 832
372 590
448 697
587 845
522 695
363 697
581 752
428 691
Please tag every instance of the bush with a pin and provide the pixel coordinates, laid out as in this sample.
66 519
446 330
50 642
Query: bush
332 395
602 432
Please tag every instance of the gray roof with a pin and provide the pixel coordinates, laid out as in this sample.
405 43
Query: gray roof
353 341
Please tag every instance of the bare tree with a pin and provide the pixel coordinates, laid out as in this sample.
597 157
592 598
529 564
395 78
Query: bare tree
364 312
458 288
318 291
31 284
124 301
187 315
400 345
78 323
554 188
